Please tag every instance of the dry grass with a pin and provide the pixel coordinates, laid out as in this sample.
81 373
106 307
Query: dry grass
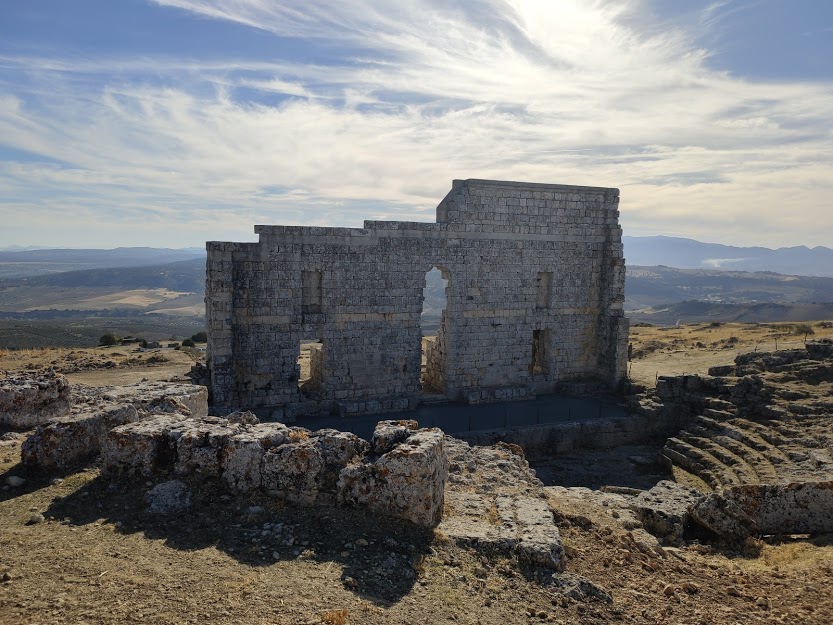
693 348
298 435
334 617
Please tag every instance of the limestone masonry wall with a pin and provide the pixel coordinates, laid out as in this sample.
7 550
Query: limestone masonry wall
534 298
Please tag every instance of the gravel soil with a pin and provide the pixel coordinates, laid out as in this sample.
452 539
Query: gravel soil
82 549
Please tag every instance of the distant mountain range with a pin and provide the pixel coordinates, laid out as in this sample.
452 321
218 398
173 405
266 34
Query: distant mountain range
690 254
25 263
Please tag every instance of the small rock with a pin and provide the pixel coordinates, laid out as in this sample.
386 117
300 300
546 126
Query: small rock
6 577
349 582
691 588
14 481
35 519
255 510
763 603
168 497
361 542
733 591
669 590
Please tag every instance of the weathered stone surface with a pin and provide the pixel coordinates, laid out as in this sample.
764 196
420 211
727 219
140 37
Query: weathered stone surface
518 525
724 517
66 442
141 448
290 463
614 508
579 588
242 455
155 397
199 443
796 508
535 296
168 497
293 471
407 482
664 508
388 434
29 399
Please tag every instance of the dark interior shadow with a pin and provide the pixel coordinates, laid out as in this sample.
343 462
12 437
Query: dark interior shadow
629 466
377 555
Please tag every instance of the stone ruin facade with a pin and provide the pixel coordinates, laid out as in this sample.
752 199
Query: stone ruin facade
535 291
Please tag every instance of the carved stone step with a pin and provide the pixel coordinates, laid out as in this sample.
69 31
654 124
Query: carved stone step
703 463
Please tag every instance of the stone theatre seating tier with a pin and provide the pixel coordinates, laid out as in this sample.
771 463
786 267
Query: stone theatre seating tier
534 299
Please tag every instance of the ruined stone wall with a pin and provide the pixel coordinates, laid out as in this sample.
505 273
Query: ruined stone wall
535 291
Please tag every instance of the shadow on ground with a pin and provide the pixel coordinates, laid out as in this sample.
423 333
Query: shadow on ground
630 466
378 556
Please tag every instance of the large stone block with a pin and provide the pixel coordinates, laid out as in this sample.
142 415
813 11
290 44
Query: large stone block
67 442
29 399
199 444
795 508
242 455
141 448
407 482
293 471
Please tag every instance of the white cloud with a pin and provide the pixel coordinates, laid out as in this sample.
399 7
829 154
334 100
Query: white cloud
427 91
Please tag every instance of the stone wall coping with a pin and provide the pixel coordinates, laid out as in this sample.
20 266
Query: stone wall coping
479 182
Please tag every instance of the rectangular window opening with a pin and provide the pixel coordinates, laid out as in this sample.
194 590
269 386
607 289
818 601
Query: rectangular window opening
311 294
538 364
544 293
310 368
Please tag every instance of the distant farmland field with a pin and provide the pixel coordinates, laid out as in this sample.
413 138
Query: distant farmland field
85 332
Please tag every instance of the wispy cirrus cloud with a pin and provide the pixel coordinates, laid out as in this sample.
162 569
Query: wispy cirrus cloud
395 100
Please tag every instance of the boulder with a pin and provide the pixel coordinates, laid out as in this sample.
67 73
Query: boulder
141 448
794 508
663 510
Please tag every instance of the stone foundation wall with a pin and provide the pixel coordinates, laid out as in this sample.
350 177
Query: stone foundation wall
66 441
401 472
28 399
534 298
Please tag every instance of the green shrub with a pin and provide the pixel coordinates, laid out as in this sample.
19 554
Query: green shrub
188 343
109 339
200 337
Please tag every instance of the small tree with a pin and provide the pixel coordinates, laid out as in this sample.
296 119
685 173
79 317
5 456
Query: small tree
188 343
200 337
108 339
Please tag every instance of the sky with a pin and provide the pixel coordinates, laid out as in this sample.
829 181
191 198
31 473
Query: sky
167 123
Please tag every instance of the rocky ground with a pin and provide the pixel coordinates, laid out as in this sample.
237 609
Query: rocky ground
84 549
104 366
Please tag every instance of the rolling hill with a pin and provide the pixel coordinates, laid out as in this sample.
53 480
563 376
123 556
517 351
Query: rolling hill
690 254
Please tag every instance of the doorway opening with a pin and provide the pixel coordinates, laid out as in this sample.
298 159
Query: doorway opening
433 322
310 368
